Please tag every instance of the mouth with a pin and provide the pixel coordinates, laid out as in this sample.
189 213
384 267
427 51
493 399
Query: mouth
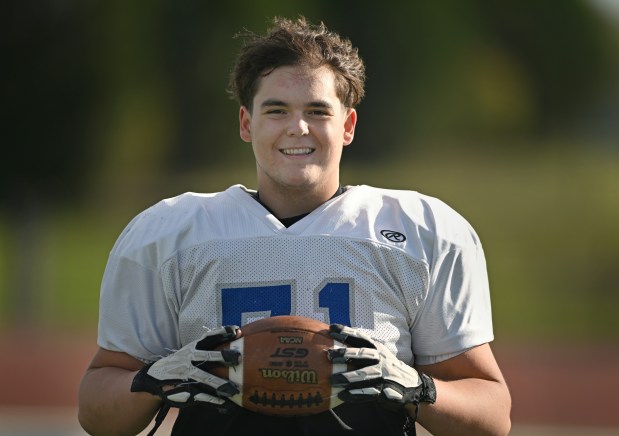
297 151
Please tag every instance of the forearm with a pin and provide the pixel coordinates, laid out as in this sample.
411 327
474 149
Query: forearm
469 407
108 407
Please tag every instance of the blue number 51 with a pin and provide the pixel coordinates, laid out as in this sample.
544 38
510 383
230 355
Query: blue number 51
277 300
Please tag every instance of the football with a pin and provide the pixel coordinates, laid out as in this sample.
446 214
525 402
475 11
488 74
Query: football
284 369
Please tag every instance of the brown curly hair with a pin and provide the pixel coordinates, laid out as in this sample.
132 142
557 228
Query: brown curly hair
292 43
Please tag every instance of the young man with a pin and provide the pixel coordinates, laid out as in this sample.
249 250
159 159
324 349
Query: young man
400 276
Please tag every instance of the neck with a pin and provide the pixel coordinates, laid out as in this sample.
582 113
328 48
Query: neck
294 202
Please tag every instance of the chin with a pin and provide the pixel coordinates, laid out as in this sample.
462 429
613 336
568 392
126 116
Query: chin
302 181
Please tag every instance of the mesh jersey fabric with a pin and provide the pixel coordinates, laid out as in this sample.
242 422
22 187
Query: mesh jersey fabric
402 266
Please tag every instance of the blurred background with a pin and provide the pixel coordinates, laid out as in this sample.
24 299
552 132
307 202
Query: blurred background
508 111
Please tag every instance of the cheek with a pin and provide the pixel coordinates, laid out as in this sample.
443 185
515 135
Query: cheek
263 153
264 133
332 156
256 148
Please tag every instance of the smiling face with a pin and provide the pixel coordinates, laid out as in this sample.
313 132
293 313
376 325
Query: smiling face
298 129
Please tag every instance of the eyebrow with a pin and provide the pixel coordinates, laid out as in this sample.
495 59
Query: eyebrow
273 102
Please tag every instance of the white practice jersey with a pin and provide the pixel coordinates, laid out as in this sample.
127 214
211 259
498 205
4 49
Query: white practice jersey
403 267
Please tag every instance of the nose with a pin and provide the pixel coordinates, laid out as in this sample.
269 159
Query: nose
297 127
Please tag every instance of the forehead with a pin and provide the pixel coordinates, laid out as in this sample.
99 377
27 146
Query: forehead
295 82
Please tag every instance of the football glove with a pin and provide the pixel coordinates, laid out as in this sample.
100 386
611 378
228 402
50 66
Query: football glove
182 378
379 375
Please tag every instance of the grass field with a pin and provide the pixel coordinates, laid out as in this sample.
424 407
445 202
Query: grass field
549 222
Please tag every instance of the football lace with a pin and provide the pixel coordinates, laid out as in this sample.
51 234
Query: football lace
292 402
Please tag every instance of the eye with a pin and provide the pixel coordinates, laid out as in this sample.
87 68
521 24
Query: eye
275 111
318 113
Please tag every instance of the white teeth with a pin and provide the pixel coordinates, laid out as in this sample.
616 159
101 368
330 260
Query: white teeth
297 151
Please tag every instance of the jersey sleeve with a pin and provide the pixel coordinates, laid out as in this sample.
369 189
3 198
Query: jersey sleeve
456 315
136 314
135 317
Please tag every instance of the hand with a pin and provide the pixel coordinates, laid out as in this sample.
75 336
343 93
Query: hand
380 376
180 379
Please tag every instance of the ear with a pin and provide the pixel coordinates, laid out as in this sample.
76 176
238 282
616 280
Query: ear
349 126
245 124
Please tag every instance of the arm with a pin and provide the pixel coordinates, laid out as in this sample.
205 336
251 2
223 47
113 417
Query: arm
465 394
113 400
472 396
106 404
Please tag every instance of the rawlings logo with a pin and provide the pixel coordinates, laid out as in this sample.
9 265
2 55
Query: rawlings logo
393 236
303 376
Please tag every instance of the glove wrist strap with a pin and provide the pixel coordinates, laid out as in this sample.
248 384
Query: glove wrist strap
428 392
427 395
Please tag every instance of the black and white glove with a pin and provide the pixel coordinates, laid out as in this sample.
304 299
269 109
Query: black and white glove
380 376
182 378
